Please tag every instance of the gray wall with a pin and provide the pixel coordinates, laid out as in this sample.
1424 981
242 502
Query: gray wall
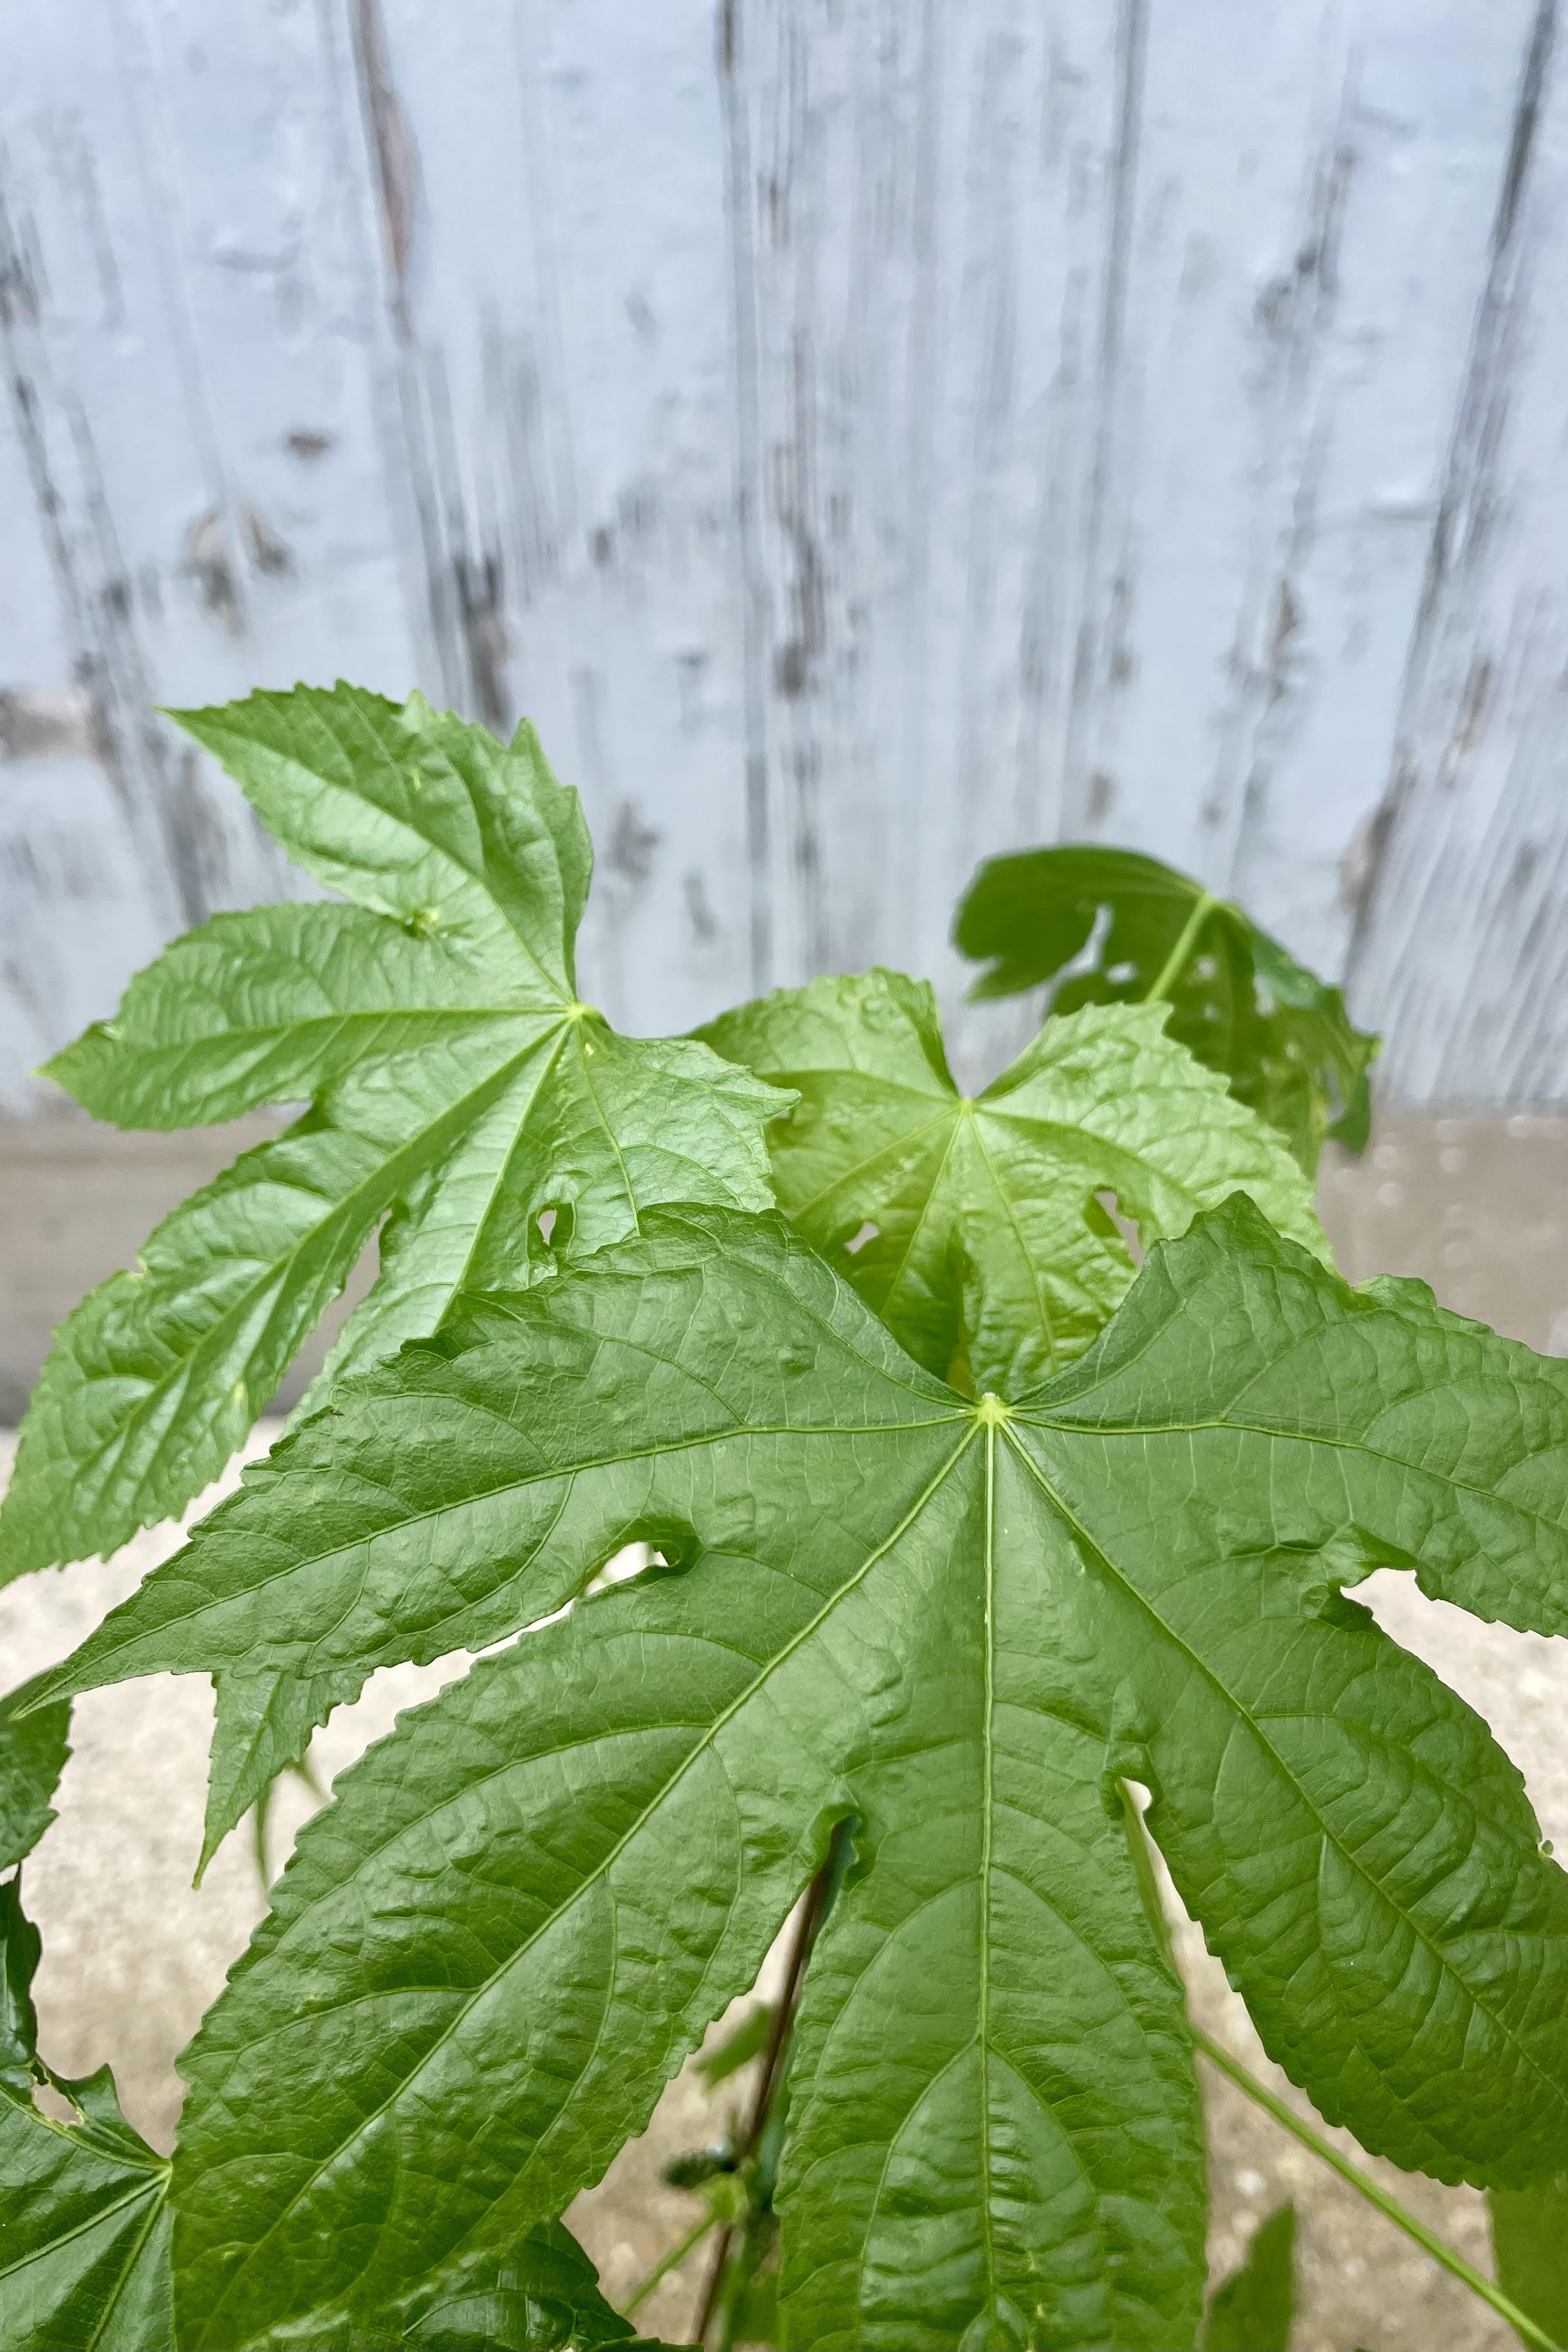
864 434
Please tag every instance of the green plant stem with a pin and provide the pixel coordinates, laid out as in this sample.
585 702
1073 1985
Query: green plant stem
1139 1847
677 2253
814 1910
1173 963
1362 2182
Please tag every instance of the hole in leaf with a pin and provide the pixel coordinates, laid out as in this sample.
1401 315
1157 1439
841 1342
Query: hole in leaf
554 1227
868 1232
1126 1226
1121 973
54 2104
647 1549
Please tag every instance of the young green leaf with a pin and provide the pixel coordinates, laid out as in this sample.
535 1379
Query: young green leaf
974 1227
1255 2309
540 2296
457 1088
1239 1000
745 2041
1530 2247
33 1751
84 2218
960 1625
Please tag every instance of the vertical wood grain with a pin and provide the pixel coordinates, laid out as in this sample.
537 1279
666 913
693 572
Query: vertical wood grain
864 434
1470 847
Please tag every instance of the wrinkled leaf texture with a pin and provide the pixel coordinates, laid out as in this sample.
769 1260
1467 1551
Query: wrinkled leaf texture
990 1253
960 1625
457 1090
84 2216
34 1745
1240 1000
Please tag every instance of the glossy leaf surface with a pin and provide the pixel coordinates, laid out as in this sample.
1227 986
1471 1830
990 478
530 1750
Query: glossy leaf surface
457 1090
84 2217
958 1625
33 1751
1239 1002
975 1227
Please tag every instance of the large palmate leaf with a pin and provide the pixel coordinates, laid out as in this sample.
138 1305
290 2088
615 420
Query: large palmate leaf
975 1227
1239 1000
958 1624
84 2216
456 1087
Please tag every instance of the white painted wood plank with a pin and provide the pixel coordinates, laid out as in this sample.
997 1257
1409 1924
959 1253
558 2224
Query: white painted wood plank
190 383
558 281
863 438
1463 950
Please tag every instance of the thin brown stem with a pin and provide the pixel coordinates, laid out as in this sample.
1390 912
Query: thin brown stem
812 1912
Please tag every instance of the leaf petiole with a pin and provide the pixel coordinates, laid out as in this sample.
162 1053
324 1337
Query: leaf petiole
667 2261
1171 969
1362 2182
1138 1844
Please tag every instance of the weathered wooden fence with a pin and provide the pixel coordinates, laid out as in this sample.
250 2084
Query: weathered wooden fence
864 434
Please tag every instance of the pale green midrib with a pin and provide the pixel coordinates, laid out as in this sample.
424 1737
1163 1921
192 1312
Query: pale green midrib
592 1091
347 1679
503 1167
1245 1716
868 1168
489 1495
150 2189
105 1458
155 2210
591 1878
988 1741
925 1211
1175 962
1142 1429
304 854
1042 1301
79 2134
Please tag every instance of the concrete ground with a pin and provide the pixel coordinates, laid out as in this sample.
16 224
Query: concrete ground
132 1956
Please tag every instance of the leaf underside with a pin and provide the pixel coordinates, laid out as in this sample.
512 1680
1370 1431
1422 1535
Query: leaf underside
1240 1002
458 1092
958 1625
975 1228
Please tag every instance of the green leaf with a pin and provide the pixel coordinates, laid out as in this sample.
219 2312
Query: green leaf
542 2295
33 1751
1255 2309
84 2220
960 1626
457 1090
990 1253
747 2041
1240 1002
1529 2248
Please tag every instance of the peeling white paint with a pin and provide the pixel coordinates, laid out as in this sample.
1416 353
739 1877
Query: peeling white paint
863 437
